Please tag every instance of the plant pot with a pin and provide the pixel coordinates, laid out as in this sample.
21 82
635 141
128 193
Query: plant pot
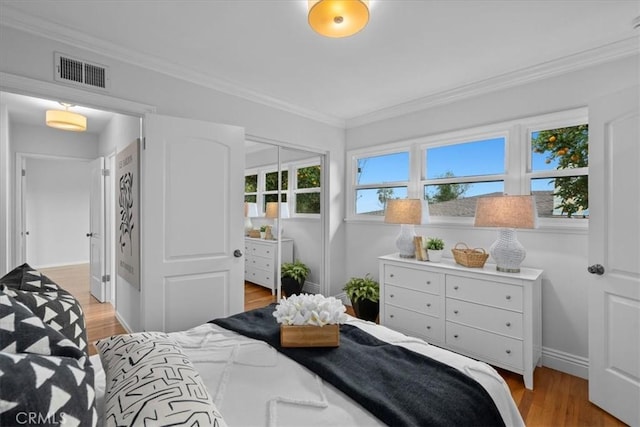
290 286
435 256
366 309
263 234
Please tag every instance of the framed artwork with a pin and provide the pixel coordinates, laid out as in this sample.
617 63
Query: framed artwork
128 213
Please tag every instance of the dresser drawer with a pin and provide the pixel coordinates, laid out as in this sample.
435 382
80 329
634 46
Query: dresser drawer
261 277
485 345
262 263
484 292
504 322
265 251
413 323
412 300
412 278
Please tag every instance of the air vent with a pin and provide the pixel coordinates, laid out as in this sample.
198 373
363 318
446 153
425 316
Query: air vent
80 73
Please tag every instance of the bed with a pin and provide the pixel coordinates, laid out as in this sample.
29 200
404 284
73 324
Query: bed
212 375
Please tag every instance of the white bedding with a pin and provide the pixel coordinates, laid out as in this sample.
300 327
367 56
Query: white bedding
252 384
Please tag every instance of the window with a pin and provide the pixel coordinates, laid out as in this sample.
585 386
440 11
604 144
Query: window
270 192
251 188
307 189
559 171
378 179
458 173
546 156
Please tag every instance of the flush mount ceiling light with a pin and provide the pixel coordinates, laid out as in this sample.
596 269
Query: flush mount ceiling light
338 18
66 120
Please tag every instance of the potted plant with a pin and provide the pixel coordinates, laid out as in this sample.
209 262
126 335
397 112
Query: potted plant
364 294
293 275
263 231
435 246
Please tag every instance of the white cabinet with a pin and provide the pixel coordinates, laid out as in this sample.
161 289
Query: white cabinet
480 312
261 262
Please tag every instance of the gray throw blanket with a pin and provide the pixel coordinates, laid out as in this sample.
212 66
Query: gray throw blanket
398 386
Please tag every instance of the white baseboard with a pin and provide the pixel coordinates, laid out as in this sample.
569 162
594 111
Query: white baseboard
64 264
565 362
311 288
123 323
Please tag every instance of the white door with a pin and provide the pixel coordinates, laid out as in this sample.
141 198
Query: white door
192 267
97 268
614 255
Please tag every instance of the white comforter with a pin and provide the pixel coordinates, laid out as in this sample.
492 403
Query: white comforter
252 384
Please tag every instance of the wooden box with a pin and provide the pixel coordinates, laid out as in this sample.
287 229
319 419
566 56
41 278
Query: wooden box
309 336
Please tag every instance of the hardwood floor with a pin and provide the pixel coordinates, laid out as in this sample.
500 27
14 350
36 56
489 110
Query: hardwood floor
558 399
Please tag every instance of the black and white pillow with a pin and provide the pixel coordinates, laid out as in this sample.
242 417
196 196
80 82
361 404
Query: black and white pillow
25 278
150 378
59 309
46 390
43 374
22 331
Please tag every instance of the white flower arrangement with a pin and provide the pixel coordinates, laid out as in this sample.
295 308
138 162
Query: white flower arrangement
308 309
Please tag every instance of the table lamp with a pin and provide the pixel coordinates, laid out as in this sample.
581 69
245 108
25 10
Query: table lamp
508 213
407 213
272 212
250 211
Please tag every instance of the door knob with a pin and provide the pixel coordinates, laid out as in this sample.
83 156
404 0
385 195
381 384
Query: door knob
237 253
596 269
89 234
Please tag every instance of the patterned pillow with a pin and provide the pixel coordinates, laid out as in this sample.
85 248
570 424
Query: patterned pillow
149 378
22 331
26 278
46 390
59 309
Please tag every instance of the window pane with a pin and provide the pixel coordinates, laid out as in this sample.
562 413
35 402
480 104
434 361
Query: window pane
372 201
484 157
251 183
271 181
272 198
566 197
308 203
562 148
251 198
381 169
459 199
309 177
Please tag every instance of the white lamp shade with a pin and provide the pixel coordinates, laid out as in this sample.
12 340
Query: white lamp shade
251 210
66 120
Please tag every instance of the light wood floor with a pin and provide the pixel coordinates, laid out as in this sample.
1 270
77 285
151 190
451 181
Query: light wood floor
558 399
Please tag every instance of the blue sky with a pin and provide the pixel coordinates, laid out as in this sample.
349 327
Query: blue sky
471 159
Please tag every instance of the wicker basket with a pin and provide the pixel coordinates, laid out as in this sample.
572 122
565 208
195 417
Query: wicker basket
469 257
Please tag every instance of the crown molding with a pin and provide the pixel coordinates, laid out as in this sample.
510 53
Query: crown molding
599 55
15 19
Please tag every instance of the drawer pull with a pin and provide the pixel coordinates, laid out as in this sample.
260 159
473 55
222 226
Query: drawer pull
456 336
428 282
428 304
391 275
455 311
455 288
428 327
508 351
391 316
508 297
508 324
391 296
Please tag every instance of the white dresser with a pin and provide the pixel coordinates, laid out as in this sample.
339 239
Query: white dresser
260 261
479 312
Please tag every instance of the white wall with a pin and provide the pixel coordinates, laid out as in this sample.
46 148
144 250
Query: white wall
5 192
57 212
561 253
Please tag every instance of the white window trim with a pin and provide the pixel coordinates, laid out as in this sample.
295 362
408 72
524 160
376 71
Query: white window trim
517 176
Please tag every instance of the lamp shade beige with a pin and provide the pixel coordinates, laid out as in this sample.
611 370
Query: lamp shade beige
272 210
403 211
506 212
338 18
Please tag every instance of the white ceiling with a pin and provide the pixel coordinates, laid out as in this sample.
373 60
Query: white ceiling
264 50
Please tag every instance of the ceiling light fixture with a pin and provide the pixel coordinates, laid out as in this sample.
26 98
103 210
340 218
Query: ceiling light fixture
338 18
66 120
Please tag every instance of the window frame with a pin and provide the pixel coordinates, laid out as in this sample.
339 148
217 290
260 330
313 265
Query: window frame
517 174
293 185
352 167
